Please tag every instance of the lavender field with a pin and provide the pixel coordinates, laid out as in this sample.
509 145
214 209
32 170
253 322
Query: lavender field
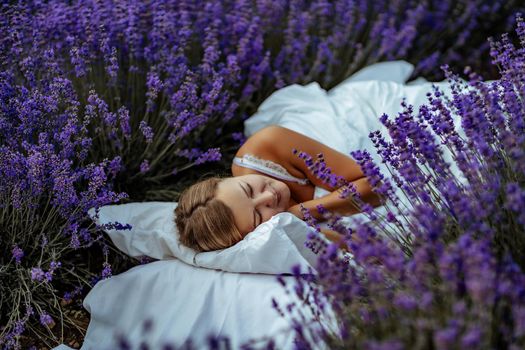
105 102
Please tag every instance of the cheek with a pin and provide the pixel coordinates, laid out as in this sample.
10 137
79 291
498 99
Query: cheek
269 212
283 187
285 194
286 191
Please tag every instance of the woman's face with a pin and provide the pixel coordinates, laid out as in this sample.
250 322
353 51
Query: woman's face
253 199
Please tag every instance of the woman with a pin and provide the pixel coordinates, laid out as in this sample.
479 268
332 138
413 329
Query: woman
267 179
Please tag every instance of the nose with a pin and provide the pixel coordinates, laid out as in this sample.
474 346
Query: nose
266 198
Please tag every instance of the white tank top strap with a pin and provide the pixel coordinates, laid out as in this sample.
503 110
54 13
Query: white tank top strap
267 167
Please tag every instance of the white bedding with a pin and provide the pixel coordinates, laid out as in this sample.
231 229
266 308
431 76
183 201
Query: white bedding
274 247
185 302
190 302
343 117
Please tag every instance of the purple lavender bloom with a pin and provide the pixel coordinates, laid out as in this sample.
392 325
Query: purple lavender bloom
405 302
45 319
321 171
48 275
124 120
19 328
147 131
54 265
115 166
106 272
471 339
144 166
78 61
452 266
445 338
239 136
74 242
516 200
154 85
211 155
37 274
18 254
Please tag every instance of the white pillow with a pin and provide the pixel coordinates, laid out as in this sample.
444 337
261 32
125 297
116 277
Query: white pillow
273 247
188 303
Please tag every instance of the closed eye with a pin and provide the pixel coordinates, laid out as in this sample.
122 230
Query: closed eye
251 195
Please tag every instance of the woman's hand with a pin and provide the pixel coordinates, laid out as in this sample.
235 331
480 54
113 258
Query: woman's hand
330 234
336 237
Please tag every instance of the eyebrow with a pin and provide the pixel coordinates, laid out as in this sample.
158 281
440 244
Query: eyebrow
247 195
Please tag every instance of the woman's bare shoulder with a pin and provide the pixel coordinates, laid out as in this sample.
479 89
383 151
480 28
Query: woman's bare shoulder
281 141
274 139
269 134
271 131
262 143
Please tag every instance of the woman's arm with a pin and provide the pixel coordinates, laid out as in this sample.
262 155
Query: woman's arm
333 203
335 237
282 141
338 205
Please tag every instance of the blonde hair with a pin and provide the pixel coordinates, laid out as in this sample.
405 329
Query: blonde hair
204 222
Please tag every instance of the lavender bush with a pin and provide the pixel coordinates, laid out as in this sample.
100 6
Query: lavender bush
171 80
457 278
106 100
46 188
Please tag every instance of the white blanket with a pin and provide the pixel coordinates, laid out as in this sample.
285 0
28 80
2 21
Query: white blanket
188 302
343 117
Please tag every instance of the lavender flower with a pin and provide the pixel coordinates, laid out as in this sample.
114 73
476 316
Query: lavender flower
147 131
124 120
115 166
451 273
144 166
106 272
211 155
37 274
239 136
45 319
18 254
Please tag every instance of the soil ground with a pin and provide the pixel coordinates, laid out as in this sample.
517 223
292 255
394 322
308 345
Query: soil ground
73 336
